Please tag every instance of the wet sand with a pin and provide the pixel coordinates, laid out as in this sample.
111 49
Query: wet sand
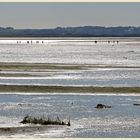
17 75
8 131
55 66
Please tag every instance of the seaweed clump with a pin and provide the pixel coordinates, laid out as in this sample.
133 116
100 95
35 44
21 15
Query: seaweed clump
43 121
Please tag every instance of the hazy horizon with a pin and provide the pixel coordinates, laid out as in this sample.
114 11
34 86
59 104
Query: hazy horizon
67 27
52 15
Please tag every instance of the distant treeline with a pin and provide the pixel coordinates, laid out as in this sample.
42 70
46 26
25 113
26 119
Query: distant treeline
85 31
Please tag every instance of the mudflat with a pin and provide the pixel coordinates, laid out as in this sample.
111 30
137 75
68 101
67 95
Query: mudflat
43 66
8 131
67 89
38 67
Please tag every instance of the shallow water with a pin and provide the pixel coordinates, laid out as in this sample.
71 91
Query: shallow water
93 77
122 120
80 51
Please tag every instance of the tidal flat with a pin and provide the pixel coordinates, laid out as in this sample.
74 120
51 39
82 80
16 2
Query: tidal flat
67 89
68 78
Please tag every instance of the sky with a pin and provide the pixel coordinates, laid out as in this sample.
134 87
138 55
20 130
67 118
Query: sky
51 15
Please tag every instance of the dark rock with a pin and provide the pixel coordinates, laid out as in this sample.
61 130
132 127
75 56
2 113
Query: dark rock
131 51
100 106
137 104
20 104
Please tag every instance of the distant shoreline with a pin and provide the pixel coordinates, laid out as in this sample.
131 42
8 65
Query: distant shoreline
50 40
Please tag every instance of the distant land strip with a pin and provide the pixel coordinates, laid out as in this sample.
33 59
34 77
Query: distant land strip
82 31
67 89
